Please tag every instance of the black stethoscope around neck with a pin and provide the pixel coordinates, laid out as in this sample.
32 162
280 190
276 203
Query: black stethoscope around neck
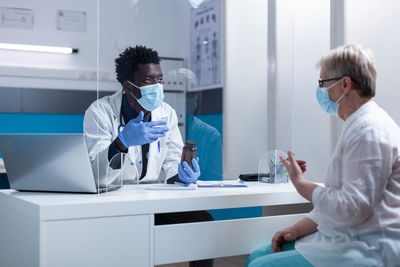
121 122
122 125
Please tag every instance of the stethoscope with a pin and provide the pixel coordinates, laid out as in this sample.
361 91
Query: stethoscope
121 125
120 128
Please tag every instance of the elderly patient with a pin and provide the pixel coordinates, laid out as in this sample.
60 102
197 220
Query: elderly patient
356 216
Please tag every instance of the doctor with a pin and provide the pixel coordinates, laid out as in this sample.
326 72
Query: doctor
356 215
135 121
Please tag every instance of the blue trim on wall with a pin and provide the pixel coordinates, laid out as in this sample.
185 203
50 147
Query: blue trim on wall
41 123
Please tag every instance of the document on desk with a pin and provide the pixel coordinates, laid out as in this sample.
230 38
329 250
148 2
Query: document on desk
223 183
171 187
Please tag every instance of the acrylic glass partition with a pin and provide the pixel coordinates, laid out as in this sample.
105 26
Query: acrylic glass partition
53 91
280 95
46 87
281 81
191 44
189 47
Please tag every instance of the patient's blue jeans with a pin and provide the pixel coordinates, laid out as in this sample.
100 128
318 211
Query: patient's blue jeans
264 256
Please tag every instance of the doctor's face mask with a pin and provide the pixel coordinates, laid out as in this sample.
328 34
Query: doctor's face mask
152 95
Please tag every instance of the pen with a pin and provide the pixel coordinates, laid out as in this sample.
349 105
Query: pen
158 144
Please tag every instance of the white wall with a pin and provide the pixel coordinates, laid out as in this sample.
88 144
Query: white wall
375 24
160 24
245 95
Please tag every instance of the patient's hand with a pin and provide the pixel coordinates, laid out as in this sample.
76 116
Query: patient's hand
286 235
293 167
295 171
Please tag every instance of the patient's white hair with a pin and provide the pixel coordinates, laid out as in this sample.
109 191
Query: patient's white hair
355 61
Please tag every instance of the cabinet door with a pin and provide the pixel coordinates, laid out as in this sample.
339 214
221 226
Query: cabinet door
108 241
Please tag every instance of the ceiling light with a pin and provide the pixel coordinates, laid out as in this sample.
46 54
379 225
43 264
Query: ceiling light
39 48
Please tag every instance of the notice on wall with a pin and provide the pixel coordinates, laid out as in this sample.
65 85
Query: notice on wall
71 21
17 18
206 44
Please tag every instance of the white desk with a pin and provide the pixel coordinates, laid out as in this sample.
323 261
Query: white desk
117 228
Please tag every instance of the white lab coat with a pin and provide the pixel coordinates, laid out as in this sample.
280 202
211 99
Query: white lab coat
358 212
100 126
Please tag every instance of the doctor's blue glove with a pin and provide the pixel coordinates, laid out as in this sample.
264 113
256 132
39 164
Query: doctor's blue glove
187 174
137 133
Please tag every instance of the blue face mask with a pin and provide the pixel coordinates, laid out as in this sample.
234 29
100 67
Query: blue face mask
152 96
326 104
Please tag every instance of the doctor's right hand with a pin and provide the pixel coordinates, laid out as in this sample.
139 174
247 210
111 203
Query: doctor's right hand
137 133
188 175
286 235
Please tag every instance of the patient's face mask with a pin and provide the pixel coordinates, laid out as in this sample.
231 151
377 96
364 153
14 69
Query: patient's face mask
326 104
152 96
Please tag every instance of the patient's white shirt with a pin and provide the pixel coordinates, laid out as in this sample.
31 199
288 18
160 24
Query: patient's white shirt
358 210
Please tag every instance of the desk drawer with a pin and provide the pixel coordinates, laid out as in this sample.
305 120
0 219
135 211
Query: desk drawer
107 241
216 239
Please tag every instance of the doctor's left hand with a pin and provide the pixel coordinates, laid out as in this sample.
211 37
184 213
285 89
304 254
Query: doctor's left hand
187 174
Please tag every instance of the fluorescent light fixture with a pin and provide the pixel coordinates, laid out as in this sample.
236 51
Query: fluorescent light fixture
38 48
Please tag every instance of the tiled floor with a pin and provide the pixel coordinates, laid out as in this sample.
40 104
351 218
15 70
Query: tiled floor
236 261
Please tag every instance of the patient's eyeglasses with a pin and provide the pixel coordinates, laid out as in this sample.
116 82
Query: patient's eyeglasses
321 82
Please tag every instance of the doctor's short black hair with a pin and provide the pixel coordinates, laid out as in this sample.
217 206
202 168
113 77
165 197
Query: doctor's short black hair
127 62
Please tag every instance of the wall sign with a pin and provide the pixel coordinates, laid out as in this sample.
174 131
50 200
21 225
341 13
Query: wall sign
17 18
71 21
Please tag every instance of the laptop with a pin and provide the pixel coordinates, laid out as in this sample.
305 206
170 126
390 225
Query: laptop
49 162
